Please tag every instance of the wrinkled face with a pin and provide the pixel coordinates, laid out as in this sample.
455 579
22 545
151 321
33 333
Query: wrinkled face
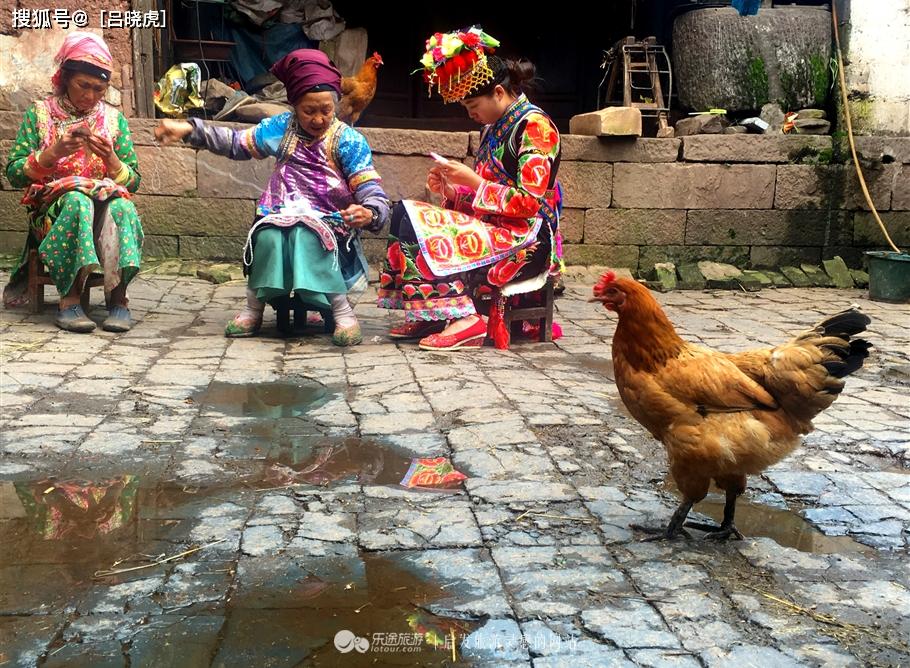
315 112
486 109
85 90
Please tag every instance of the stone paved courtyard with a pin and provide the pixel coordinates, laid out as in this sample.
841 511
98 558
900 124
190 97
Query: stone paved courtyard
280 459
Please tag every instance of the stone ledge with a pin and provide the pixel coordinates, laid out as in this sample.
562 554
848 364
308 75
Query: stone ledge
195 216
752 148
768 228
635 226
832 187
693 186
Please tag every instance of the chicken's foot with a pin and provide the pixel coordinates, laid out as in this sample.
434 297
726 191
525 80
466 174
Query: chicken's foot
726 528
672 530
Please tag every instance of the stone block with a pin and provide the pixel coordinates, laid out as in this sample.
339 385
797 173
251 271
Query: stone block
837 269
796 227
143 131
690 278
618 149
679 255
218 176
775 256
866 231
685 186
572 225
586 185
703 124
860 277
751 148
159 245
879 149
609 122
665 275
11 242
719 274
195 216
817 275
5 146
166 171
752 277
416 142
212 248
9 124
610 256
404 177
900 194
778 280
797 277
635 226
831 187
12 212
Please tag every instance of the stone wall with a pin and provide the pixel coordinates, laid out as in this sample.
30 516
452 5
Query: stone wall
748 200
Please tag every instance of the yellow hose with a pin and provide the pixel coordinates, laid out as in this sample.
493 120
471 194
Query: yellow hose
843 90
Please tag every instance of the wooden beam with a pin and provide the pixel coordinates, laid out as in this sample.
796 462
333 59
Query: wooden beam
143 62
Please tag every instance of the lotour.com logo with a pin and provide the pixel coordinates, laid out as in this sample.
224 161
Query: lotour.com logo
345 641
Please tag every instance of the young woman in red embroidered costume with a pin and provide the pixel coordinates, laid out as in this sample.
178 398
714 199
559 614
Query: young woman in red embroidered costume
498 227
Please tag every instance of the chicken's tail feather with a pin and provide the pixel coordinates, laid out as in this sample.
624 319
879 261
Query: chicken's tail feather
844 324
850 358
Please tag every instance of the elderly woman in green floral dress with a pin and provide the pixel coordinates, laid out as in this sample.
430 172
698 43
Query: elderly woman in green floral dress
74 155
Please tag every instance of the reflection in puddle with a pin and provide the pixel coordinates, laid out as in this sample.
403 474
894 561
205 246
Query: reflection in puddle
304 612
76 509
784 527
263 400
327 461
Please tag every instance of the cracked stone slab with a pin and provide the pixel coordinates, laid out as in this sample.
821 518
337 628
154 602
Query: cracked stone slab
475 584
446 521
518 491
630 624
559 581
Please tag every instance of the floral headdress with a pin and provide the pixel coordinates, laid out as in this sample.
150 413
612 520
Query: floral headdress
456 62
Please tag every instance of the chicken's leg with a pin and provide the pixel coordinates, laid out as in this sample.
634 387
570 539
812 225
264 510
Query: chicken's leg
726 528
672 530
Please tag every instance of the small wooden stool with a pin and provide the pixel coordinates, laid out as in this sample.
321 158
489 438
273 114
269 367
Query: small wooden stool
38 278
543 313
513 315
283 307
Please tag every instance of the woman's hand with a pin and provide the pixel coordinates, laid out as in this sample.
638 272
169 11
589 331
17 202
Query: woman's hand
104 149
66 145
356 216
459 174
170 132
436 183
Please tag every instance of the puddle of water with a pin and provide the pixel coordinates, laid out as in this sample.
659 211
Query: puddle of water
602 365
56 534
784 527
373 597
262 400
326 461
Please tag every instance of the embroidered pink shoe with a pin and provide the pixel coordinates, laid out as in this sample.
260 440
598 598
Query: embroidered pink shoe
472 337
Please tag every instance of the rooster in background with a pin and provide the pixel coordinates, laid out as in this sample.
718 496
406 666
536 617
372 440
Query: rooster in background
723 416
357 91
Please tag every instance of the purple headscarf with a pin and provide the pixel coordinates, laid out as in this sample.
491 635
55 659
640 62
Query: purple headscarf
305 69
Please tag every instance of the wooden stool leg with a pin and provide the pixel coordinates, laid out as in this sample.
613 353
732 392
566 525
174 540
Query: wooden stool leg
546 323
283 316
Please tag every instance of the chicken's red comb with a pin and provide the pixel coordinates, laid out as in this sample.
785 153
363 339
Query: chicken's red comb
604 281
